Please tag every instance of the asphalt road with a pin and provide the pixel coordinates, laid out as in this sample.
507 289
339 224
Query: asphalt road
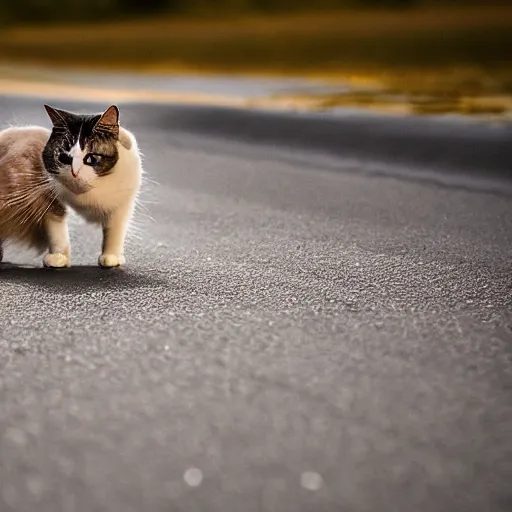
316 316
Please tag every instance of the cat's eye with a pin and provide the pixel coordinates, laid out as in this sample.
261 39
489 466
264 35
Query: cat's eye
65 159
92 159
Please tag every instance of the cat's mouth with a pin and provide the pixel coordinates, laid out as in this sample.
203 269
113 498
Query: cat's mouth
74 183
77 187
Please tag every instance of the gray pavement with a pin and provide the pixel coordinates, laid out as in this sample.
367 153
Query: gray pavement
297 329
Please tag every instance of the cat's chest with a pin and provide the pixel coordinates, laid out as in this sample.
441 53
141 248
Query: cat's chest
95 205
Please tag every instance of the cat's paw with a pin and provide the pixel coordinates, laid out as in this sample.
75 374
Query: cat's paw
111 260
56 260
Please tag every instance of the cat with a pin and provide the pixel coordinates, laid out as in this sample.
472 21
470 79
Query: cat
87 162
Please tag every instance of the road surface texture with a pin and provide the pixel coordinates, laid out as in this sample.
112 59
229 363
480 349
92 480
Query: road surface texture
316 316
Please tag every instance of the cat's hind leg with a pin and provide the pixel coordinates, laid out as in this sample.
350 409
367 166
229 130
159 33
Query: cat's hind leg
59 252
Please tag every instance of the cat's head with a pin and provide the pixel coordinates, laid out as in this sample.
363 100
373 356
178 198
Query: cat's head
82 148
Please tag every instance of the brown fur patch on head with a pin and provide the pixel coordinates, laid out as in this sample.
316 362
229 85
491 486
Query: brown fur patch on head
106 148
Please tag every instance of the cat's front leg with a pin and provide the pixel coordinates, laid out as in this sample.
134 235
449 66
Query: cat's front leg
114 234
58 255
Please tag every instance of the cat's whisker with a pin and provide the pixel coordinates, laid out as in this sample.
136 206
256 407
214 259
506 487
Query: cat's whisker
143 210
22 197
150 181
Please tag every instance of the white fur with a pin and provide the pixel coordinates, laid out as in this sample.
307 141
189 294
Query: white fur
78 154
59 250
56 260
108 200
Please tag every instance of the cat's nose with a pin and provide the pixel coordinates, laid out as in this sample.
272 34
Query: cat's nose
76 165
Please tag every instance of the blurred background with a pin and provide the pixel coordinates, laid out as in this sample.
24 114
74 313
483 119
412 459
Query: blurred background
431 56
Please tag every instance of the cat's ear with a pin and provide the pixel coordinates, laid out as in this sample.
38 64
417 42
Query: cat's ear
109 121
58 117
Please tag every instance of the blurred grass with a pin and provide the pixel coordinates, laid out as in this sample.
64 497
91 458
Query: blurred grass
403 102
466 91
437 52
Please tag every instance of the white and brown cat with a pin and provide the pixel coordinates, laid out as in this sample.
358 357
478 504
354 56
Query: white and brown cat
87 162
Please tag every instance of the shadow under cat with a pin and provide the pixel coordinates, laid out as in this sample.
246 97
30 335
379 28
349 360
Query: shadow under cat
70 280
